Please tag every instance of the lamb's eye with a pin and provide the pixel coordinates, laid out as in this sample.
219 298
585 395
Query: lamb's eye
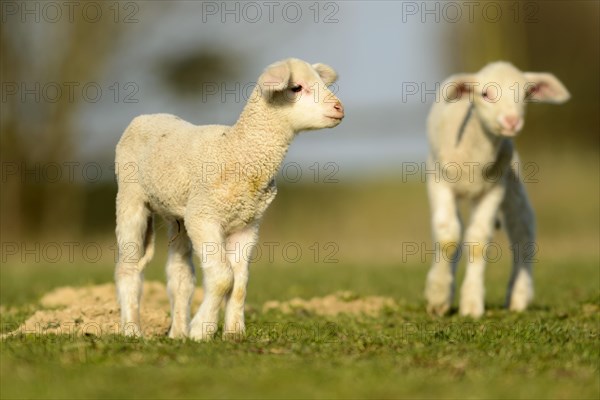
296 88
529 93
485 94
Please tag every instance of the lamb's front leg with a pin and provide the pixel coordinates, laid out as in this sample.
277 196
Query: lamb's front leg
217 276
239 250
439 287
478 235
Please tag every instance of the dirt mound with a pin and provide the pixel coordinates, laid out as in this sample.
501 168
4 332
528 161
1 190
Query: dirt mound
94 310
334 304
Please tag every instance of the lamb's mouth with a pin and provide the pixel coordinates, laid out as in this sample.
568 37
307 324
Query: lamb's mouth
336 118
508 133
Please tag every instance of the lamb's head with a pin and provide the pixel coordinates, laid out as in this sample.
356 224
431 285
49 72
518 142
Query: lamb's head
299 94
499 93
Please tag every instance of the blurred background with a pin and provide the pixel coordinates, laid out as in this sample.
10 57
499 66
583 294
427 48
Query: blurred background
73 77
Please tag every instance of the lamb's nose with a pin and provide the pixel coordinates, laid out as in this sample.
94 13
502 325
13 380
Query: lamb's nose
338 106
512 121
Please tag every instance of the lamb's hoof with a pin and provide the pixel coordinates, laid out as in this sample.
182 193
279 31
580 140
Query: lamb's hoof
234 336
439 309
518 305
175 333
201 337
439 291
521 297
203 332
132 330
439 298
473 308
234 329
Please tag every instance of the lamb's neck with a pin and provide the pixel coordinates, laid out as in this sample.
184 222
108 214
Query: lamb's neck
484 144
264 138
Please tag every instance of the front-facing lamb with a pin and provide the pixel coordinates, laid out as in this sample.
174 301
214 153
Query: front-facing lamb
211 184
471 153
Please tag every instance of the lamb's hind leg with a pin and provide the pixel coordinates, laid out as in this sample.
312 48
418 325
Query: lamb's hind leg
181 279
135 240
520 225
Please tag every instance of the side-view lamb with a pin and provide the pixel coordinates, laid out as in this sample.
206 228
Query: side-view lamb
212 185
471 129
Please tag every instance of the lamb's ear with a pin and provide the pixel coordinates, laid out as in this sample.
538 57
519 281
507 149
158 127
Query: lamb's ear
327 74
545 87
276 77
457 86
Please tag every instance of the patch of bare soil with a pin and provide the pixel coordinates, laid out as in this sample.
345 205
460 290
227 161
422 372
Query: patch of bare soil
94 310
334 304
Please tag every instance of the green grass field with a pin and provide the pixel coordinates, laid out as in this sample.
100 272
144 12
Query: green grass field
551 351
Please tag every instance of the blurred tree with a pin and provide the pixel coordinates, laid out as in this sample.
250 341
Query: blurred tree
35 130
36 133
188 74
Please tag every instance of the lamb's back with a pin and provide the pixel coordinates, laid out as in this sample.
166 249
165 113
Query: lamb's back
165 156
